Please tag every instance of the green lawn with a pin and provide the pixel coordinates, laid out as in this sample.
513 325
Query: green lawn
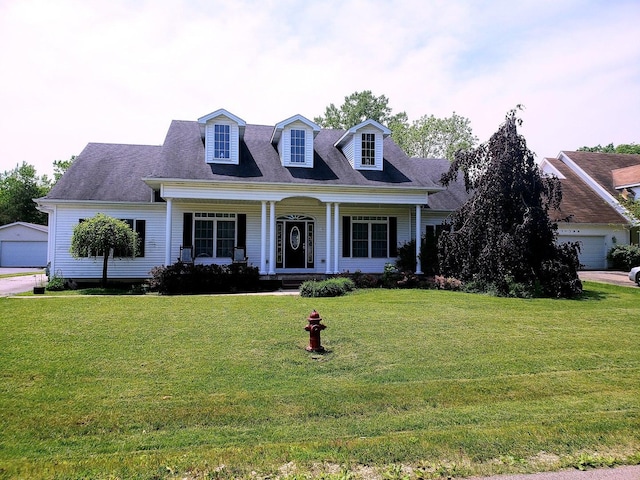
221 386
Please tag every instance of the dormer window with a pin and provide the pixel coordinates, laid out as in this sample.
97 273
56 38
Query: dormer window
221 141
363 145
223 132
297 146
368 149
293 139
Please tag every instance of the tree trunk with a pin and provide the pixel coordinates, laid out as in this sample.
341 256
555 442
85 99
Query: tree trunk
105 260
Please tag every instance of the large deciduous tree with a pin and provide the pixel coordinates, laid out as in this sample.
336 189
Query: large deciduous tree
103 235
432 137
502 239
18 188
358 107
427 137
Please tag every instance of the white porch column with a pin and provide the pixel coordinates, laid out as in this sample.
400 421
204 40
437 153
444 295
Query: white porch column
272 238
336 237
263 239
167 233
418 237
328 239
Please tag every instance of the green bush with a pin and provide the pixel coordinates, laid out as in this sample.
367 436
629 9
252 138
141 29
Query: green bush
56 283
333 287
186 278
624 257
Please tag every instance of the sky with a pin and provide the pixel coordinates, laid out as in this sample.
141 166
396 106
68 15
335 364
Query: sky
118 71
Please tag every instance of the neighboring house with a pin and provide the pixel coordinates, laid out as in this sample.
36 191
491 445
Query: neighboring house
23 244
590 211
297 198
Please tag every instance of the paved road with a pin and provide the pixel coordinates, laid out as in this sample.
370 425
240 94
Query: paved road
620 473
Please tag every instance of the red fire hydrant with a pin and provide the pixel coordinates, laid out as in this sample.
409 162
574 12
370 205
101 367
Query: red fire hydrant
314 327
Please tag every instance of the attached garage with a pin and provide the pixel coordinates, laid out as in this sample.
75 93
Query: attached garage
592 250
23 245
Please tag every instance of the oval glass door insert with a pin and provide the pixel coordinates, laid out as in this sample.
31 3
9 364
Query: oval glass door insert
294 238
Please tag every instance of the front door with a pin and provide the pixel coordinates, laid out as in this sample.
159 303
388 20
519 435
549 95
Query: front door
295 245
294 242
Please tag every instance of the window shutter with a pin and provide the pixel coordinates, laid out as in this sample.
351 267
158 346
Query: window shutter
346 236
393 236
141 226
187 233
242 230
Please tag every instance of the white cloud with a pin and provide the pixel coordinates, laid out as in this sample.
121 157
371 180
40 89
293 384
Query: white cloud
76 72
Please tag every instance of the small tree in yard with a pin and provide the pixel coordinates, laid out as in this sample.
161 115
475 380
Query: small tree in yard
101 235
501 239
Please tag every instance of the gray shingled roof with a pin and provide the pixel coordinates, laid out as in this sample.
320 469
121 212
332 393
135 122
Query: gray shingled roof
108 172
112 172
455 195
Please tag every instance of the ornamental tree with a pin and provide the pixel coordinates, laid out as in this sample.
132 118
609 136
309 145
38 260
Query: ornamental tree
502 239
101 236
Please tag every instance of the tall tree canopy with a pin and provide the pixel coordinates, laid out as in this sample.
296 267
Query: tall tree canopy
102 235
427 137
632 148
432 137
358 107
502 238
18 188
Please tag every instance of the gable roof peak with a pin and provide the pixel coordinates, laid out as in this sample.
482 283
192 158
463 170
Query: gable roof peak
367 123
221 112
280 126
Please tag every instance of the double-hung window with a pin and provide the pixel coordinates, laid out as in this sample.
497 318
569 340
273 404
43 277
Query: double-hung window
368 149
214 234
298 146
221 141
370 237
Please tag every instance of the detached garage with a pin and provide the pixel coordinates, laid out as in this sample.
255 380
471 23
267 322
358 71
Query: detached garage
23 245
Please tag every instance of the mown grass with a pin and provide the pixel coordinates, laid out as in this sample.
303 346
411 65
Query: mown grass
221 386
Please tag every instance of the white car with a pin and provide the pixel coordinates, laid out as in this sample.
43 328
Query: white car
634 275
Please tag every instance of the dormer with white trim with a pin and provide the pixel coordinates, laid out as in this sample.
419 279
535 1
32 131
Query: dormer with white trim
362 145
293 139
223 132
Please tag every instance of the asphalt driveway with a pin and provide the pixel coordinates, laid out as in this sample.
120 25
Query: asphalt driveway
21 283
607 276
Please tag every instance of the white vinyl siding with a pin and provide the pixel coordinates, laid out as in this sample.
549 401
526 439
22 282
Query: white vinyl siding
67 217
233 157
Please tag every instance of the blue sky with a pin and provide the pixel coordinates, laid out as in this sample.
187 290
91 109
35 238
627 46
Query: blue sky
119 71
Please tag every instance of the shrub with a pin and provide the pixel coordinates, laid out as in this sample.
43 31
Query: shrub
364 280
624 257
186 278
56 283
333 287
447 283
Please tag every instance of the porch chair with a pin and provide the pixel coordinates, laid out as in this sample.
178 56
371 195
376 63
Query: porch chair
186 254
239 255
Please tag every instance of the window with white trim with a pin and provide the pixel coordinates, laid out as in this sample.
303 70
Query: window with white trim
221 141
214 234
370 237
298 146
368 149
